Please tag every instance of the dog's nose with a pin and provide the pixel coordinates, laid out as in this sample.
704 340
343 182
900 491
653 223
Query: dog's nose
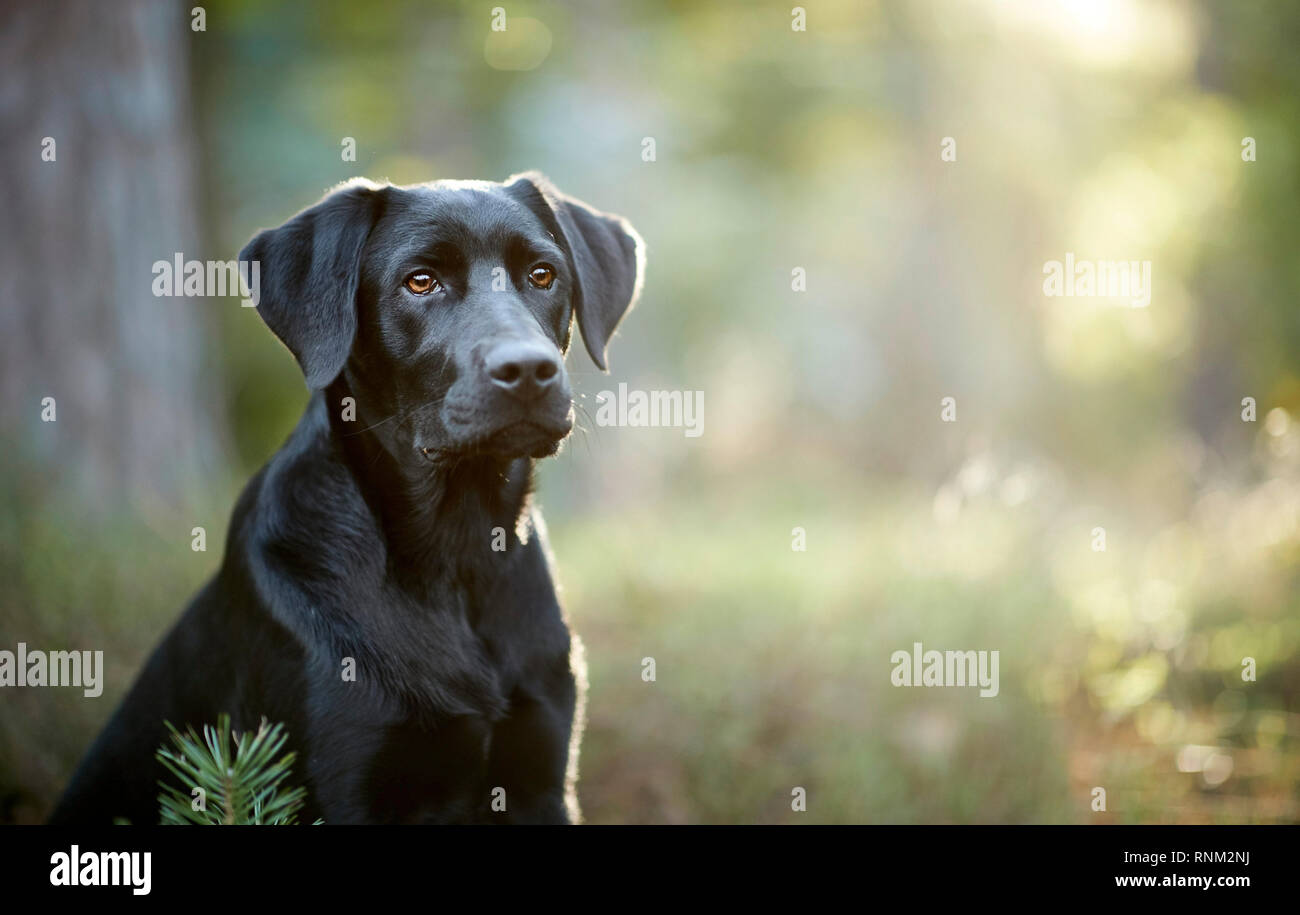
523 370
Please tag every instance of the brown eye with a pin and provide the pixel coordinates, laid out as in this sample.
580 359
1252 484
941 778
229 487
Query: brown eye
542 276
421 283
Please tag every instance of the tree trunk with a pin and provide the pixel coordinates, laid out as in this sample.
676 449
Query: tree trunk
139 415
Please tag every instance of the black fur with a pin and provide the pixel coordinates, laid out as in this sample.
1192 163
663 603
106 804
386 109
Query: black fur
372 539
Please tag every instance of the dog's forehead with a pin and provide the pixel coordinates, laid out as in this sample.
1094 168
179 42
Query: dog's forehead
478 211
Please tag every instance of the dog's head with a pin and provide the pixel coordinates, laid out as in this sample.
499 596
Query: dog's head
448 307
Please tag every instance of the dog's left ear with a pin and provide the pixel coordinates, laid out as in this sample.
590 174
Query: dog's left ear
607 253
309 271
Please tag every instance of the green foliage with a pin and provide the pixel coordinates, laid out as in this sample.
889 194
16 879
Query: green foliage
240 787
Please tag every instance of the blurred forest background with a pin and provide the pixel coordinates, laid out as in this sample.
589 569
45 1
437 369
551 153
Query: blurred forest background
1108 128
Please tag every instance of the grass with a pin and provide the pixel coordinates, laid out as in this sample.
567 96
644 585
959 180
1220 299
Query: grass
772 666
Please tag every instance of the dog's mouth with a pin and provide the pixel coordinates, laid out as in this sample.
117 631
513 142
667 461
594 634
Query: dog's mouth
523 438
526 438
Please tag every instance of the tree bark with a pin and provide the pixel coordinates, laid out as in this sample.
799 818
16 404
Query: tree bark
139 415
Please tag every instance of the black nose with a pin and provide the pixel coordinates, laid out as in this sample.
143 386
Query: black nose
524 370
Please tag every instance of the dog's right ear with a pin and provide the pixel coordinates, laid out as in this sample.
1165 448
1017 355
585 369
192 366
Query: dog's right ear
309 269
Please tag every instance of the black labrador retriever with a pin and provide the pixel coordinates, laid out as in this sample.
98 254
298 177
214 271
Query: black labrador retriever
386 589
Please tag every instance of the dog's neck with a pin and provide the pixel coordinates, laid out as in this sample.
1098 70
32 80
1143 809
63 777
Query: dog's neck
439 518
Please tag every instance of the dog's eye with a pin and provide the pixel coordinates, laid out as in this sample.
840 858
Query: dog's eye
421 283
542 276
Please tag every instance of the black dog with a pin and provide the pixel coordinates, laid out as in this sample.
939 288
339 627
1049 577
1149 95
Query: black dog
431 323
